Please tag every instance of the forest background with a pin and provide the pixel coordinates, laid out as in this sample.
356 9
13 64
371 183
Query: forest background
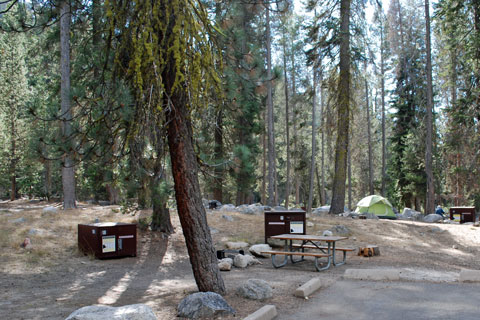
266 119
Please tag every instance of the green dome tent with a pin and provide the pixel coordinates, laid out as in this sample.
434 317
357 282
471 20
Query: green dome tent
377 205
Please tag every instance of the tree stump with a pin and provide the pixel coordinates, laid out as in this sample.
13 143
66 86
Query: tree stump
369 251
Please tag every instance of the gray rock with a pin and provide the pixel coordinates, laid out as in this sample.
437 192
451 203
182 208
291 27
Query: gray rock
310 224
256 208
410 214
256 250
350 214
203 305
255 289
327 233
236 245
432 218
243 261
103 202
227 217
19 220
341 230
129 312
225 264
279 208
321 210
246 210
213 231
49 209
227 208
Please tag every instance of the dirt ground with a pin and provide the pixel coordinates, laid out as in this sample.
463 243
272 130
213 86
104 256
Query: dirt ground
52 279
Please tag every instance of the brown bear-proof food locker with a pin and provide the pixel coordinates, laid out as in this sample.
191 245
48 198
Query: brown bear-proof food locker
108 239
462 214
284 222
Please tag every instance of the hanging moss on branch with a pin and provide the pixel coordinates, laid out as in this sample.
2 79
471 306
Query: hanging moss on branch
152 33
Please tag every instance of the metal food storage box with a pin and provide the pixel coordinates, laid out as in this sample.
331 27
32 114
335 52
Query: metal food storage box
284 222
108 239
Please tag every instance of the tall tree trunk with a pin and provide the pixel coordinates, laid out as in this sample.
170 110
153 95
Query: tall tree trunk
287 125
322 185
270 127
430 201
294 120
187 192
369 136
68 170
343 124
382 70
314 139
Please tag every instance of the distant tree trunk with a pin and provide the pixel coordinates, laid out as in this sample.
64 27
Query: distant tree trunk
322 185
369 136
160 215
270 128
430 201
264 166
68 170
314 139
13 158
349 165
294 120
218 151
287 125
343 122
319 186
384 146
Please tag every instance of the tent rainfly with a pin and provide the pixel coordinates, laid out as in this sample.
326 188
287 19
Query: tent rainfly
377 205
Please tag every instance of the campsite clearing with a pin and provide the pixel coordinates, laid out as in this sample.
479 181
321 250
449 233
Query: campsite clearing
52 279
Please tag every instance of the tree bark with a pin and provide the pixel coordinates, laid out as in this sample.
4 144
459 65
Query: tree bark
382 70
13 158
264 165
343 121
314 140
68 170
369 136
270 127
294 120
430 201
287 125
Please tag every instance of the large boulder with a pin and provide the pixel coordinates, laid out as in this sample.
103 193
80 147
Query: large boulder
257 249
243 261
236 245
279 208
432 218
225 264
321 210
227 217
227 208
246 210
129 312
410 214
255 289
204 305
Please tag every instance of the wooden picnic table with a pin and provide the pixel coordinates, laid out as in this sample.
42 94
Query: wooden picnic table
295 245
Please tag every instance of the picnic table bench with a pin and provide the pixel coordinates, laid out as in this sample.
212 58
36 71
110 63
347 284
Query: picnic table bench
308 242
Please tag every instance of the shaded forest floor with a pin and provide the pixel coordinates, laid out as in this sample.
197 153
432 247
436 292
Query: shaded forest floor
52 279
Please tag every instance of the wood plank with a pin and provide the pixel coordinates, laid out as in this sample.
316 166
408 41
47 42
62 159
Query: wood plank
309 246
306 237
289 253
